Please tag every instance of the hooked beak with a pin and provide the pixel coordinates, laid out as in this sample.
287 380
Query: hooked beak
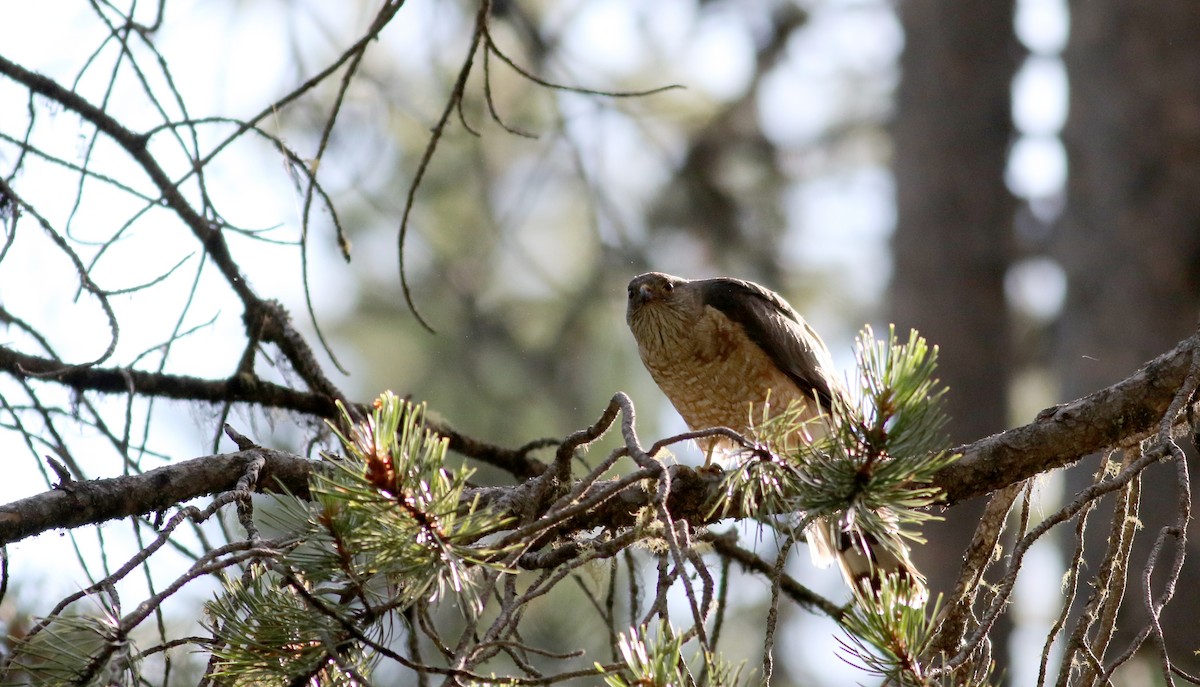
639 295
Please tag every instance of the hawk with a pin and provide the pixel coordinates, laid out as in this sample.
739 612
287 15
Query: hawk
725 351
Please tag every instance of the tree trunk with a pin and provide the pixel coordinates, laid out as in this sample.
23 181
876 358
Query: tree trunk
953 239
1130 242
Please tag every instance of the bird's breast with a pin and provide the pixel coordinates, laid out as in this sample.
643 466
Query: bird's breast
715 375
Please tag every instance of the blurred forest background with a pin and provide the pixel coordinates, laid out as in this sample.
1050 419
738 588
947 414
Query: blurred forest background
1016 180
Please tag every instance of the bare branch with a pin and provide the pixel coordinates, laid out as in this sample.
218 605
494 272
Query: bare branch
97 501
1118 415
263 316
247 389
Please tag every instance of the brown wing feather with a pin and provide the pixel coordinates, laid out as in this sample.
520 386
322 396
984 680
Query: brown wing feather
778 330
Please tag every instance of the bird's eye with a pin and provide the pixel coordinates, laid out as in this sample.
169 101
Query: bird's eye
668 287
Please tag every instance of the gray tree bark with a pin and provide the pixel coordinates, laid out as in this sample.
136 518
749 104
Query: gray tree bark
954 224
953 241
1130 241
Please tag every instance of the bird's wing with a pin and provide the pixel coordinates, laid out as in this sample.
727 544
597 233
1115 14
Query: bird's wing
779 331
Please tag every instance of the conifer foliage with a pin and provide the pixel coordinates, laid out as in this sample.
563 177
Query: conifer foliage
392 533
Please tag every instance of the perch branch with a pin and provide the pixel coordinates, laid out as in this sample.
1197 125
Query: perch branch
1117 415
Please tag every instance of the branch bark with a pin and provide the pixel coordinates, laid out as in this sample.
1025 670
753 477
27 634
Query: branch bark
1117 415
74 504
1121 414
268 317
248 389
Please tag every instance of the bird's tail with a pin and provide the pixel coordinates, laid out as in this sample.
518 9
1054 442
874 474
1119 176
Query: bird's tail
866 562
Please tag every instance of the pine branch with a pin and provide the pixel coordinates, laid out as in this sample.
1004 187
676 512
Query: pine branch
656 658
246 389
383 530
1117 415
95 501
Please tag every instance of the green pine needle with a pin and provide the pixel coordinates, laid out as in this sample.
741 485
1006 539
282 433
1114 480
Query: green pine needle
874 468
385 527
886 636
64 651
270 635
655 659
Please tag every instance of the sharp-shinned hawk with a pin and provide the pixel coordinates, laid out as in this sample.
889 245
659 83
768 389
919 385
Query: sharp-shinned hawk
726 351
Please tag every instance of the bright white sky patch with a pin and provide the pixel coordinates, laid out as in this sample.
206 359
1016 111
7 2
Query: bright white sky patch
1037 166
794 108
1043 25
1036 287
605 36
845 221
720 57
1040 96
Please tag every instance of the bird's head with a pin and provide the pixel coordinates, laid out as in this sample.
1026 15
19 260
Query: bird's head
660 301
